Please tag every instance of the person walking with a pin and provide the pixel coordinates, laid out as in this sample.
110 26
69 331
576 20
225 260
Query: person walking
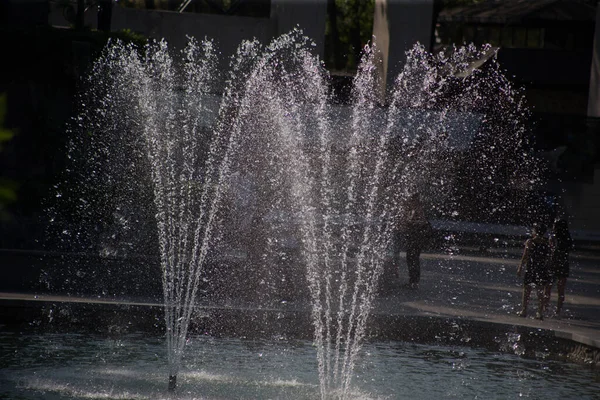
561 244
534 267
416 231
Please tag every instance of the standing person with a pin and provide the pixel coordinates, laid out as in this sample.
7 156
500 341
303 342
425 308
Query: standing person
534 264
560 246
416 230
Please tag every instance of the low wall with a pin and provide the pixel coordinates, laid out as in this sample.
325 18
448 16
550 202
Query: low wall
62 315
75 274
227 31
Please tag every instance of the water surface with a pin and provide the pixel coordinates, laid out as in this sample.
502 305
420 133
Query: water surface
133 366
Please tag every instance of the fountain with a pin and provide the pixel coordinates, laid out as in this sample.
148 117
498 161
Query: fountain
171 157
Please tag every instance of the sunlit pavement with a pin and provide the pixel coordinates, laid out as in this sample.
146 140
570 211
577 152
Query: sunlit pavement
486 288
472 287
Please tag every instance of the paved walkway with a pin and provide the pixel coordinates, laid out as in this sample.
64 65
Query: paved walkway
475 287
486 288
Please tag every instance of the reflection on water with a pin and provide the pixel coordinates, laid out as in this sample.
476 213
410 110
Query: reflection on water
133 366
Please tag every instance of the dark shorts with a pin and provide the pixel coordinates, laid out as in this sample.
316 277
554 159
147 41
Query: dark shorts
537 277
560 267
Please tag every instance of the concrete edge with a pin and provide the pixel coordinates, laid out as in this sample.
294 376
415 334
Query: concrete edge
115 318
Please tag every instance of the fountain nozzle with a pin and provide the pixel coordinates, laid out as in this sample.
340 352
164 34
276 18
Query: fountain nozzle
172 382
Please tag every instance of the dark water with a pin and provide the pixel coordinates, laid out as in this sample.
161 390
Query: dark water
134 366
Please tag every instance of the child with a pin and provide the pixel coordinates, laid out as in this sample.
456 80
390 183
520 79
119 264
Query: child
535 265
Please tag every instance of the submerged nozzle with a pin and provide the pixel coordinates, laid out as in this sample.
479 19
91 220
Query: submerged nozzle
172 382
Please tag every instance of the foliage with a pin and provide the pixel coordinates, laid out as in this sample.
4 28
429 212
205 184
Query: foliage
5 134
127 35
349 28
7 187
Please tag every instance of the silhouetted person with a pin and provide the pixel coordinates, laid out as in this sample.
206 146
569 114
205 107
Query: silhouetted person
561 245
535 265
104 15
415 230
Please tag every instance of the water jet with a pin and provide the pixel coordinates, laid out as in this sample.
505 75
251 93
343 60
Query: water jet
190 175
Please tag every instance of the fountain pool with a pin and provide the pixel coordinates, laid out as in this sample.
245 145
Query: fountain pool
36 365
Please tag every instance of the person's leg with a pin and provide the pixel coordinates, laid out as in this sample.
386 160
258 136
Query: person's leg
392 264
548 294
541 296
412 262
417 269
525 300
561 284
396 247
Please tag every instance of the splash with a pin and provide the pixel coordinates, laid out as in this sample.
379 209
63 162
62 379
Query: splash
270 155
